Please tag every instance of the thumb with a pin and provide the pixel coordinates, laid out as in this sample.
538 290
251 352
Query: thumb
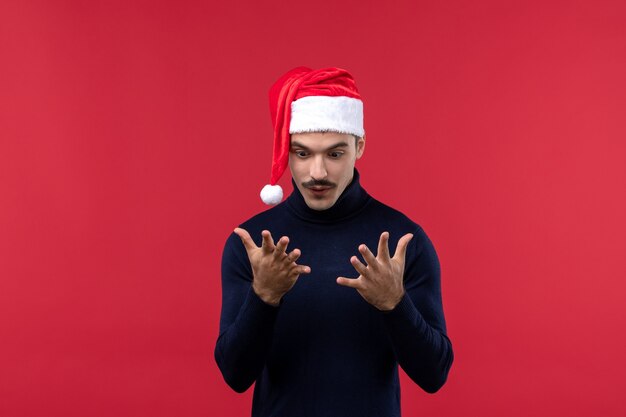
349 282
402 245
246 239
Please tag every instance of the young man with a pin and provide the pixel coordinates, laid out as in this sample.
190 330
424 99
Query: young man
319 329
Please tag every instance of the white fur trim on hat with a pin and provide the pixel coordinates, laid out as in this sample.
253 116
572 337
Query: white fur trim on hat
327 113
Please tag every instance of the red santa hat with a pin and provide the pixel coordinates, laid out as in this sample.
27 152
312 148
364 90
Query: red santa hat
306 100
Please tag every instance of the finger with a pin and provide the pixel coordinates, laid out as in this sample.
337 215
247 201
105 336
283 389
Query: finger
268 242
293 255
299 270
368 256
383 247
246 239
349 282
360 268
401 248
281 245
304 269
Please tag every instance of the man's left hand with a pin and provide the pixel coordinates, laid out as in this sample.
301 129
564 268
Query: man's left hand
380 283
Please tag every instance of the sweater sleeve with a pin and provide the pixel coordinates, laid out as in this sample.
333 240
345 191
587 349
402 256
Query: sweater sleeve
246 322
417 325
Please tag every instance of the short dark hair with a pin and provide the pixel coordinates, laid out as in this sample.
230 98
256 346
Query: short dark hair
356 138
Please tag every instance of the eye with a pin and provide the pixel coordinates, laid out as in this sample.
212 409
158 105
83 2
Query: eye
300 153
335 154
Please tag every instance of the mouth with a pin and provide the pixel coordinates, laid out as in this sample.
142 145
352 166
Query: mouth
319 190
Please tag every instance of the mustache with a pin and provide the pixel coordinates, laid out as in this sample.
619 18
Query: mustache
318 183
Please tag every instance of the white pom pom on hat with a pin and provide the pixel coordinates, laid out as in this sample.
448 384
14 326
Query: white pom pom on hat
306 100
272 194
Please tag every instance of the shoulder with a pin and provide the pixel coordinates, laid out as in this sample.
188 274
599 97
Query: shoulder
398 224
266 219
391 215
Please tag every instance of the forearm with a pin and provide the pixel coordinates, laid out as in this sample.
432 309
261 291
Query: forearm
242 348
422 351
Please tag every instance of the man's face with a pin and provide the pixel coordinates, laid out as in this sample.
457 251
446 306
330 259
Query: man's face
322 165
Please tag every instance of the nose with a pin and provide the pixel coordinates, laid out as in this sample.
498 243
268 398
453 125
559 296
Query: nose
318 168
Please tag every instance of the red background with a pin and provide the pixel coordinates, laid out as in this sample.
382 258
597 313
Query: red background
135 136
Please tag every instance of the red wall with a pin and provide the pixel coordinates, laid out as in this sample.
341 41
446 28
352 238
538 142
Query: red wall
135 135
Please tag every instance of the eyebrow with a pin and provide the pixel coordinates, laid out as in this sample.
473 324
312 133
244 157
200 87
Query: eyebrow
336 145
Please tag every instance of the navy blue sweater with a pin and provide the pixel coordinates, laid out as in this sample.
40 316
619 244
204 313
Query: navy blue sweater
324 351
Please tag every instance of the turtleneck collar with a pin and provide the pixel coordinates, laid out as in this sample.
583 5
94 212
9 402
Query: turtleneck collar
349 203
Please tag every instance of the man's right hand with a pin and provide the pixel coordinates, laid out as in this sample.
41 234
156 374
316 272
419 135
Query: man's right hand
275 272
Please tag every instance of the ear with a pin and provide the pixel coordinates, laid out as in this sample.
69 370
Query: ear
360 147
